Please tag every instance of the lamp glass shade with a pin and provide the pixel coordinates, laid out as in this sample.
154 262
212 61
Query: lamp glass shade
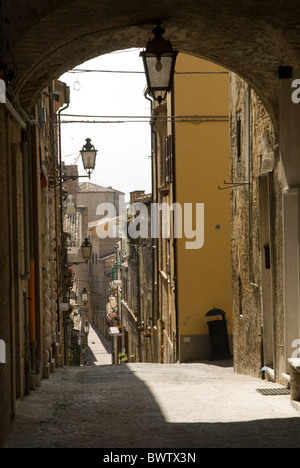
88 154
70 206
84 295
89 159
159 72
70 209
86 250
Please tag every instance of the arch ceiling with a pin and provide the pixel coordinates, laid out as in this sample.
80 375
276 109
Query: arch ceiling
251 38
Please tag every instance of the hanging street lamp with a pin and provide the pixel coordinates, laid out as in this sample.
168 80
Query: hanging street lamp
88 154
159 60
84 295
86 327
70 209
86 249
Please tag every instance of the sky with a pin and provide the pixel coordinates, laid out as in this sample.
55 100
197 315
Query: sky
123 160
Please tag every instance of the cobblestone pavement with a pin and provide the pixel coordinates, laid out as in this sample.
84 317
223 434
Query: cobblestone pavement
199 405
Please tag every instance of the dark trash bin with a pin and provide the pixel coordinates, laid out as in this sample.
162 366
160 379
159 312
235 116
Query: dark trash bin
218 336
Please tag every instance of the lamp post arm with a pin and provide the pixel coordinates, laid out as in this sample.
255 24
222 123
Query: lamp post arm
75 263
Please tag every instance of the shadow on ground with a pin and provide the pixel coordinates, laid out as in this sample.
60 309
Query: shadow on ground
111 407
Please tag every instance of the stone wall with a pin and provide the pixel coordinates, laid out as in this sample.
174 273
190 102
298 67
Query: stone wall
6 384
256 216
14 373
28 310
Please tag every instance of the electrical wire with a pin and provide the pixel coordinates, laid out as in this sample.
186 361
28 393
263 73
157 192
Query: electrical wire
121 119
159 117
138 121
83 70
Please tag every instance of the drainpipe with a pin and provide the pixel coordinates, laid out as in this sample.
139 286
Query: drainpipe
26 157
62 226
174 240
249 180
32 318
15 114
156 291
60 188
26 189
139 301
154 200
25 150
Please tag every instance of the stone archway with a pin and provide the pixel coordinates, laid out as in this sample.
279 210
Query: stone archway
48 38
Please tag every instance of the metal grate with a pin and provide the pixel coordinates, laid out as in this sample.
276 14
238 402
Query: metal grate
273 391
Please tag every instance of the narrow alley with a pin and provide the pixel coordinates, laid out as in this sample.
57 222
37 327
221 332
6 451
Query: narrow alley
150 224
199 405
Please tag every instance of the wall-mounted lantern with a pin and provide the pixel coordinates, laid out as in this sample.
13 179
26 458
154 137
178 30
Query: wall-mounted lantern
159 62
88 154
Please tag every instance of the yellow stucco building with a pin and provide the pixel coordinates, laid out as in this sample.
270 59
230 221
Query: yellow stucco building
191 254
201 163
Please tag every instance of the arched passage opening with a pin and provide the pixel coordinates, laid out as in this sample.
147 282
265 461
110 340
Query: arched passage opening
201 145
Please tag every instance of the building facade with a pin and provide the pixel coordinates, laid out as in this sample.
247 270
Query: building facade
186 256
93 195
141 335
32 325
202 164
265 234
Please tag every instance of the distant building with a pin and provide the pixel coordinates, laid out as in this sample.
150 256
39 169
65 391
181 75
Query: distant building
92 195
96 276
100 270
136 312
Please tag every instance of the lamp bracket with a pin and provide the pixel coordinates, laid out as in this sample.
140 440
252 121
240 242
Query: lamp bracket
75 263
64 179
233 185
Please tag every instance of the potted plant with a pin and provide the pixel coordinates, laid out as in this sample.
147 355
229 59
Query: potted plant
123 357
141 326
112 318
68 278
120 327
